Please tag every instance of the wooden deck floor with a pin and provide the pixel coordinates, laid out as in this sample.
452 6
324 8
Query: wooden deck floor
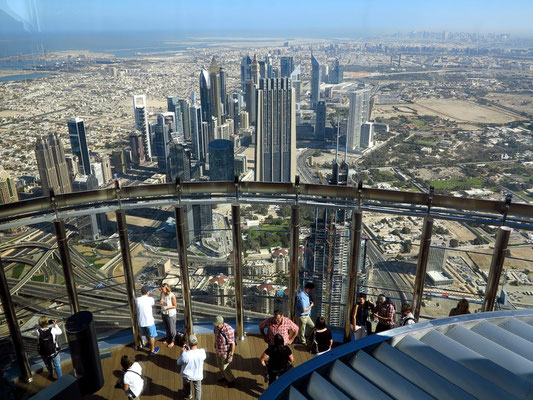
166 381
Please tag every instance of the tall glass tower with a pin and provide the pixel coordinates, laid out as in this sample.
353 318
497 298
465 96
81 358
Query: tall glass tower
78 142
141 123
221 160
315 81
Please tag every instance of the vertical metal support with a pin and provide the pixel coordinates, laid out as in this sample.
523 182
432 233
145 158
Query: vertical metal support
64 253
14 330
355 255
184 269
293 267
496 267
128 273
237 259
425 243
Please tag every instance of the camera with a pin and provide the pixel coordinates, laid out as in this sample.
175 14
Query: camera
186 346
51 322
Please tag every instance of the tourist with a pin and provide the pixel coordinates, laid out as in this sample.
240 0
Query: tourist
321 338
384 312
277 358
461 309
168 312
224 348
192 368
304 304
132 381
360 325
145 317
407 315
278 324
48 347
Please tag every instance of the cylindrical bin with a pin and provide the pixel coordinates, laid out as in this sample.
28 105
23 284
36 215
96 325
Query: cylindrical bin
84 351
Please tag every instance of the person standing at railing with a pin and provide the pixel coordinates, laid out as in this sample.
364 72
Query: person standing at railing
407 315
192 368
384 312
278 324
361 311
224 348
145 317
168 312
304 304
461 309
277 358
48 347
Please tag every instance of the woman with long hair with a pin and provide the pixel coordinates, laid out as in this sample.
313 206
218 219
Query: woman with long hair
461 309
277 358
321 338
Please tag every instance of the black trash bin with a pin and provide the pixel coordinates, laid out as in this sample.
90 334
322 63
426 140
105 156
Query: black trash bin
84 351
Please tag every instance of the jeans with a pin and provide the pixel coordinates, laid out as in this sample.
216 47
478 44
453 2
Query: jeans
53 363
187 389
170 326
224 367
303 322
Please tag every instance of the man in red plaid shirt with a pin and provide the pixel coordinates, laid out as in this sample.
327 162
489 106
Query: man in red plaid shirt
278 324
384 312
225 348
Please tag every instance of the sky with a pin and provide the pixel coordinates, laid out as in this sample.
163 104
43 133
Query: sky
289 17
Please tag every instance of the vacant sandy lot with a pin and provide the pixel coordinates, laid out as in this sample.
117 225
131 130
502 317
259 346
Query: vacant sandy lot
463 111
519 102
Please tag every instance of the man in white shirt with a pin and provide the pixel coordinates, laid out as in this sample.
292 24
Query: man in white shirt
47 347
192 370
145 317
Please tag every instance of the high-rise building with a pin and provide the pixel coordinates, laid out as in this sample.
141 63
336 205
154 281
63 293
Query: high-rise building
358 115
73 166
96 171
367 135
223 90
8 189
287 66
251 102
296 83
137 148
320 124
141 124
185 118
119 161
162 138
255 72
78 142
88 224
337 73
275 149
179 163
235 111
315 81
205 95
174 106
246 71
268 66
52 165
197 134
216 105
244 122
105 162
241 164
221 160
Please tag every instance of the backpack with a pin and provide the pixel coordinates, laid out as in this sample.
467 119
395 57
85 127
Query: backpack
47 346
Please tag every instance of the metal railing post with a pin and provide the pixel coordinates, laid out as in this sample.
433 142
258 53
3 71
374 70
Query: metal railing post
293 267
128 273
425 243
14 330
237 259
355 255
496 267
66 262
184 268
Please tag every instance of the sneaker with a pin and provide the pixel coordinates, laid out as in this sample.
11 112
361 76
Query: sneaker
156 350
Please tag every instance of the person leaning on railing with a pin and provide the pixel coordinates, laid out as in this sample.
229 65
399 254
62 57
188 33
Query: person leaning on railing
461 309
48 347
360 325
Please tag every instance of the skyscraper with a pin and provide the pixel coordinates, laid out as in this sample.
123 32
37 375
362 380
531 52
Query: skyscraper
141 123
275 149
162 138
179 163
359 114
78 142
8 190
337 73
287 66
315 81
214 77
255 71
223 91
246 71
367 135
250 101
268 66
185 118
52 166
221 160
137 148
205 95
320 124
296 83
174 106
197 134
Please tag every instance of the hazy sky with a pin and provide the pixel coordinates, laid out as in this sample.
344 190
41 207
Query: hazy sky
277 16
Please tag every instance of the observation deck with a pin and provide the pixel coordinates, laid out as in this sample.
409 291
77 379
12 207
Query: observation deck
52 266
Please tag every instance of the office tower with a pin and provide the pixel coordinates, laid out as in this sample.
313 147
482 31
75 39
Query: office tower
179 163
320 124
96 171
193 98
137 148
202 220
268 66
141 124
262 69
8 190
250 102
367 135
246 71
224 131
221 160
324 73
162 137
296 83
341 169
119 161
243 120
358 115
78 143
214 77
52 165
72 166
205 95
255 72
337 73
88 224
105 162
186 119
241 164
315 81
173 106
275 150
287 66
223 91
197 137
235 111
